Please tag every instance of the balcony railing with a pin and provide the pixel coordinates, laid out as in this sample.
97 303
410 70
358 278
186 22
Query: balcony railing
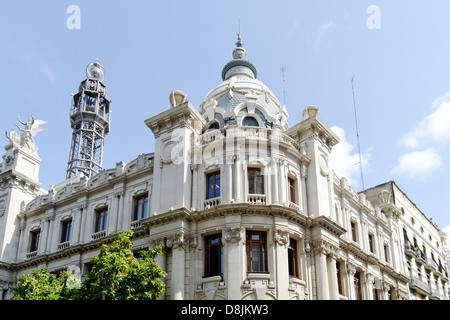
409 250
431 264
135 224
257 199
98 235
63 245
294 206
417 284
210 203
31 254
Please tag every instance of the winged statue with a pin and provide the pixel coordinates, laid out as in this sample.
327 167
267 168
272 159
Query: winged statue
31 128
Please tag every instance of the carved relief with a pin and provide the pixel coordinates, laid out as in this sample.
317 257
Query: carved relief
281 237
323 247
233 235
176 241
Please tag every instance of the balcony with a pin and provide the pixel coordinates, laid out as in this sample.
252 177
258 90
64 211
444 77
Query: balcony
431 264
420 257
135 224
257 199
31 254
98 235
211 203
409 250
294 206
416 284
63 245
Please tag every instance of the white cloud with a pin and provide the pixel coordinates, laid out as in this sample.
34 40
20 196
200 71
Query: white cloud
295 25
418 165
435 128
323 30
345 161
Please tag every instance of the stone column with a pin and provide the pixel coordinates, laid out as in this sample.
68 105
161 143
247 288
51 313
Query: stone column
304 201
195 200
48 240
82 224
116 215
281 240
283 182
176 243
21 249
351 270
386 288
370 279
332 276
227 196
232 238
275 188
321 270
239 180
160 259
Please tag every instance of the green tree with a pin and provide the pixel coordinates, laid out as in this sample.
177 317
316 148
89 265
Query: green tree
116 275
42 285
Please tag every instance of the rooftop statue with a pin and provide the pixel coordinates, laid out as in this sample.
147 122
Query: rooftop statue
25 139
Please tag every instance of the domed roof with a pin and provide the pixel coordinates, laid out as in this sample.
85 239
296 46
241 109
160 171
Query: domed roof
242 98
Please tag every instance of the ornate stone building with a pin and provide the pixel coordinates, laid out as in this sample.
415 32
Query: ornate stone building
243 205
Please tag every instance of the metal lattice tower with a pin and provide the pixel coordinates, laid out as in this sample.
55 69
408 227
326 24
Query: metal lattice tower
89 119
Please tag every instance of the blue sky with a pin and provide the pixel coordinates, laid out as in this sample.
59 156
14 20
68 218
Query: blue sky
148 49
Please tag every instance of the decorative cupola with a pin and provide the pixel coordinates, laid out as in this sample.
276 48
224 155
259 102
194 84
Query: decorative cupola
241 99
239 66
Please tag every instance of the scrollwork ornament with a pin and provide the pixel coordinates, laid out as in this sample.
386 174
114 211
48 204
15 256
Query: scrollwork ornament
233 235
281 237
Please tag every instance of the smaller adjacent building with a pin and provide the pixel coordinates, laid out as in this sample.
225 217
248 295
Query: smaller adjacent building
424 247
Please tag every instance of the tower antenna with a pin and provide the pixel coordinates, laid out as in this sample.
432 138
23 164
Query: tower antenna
357 134
283 72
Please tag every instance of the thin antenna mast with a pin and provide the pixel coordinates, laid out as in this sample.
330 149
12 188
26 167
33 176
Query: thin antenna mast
283 70
239 25
357 134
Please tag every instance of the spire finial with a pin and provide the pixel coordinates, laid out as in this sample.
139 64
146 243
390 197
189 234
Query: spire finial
239 42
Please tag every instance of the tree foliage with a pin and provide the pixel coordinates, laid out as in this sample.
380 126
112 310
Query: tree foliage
42 285
116 275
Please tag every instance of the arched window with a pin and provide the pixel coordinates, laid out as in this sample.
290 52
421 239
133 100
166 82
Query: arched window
250 122
214 126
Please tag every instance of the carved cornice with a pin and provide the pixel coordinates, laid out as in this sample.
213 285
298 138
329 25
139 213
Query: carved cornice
324 247
331 226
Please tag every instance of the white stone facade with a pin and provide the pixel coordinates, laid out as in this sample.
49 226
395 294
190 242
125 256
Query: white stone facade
276 224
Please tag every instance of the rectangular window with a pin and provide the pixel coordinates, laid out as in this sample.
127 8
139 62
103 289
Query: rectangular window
213 185
101 218
213 255
256 251
34 243
386 252
353 226
255 181
292 258
291 190
371 243
339 277
357 281
66 230
140 207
